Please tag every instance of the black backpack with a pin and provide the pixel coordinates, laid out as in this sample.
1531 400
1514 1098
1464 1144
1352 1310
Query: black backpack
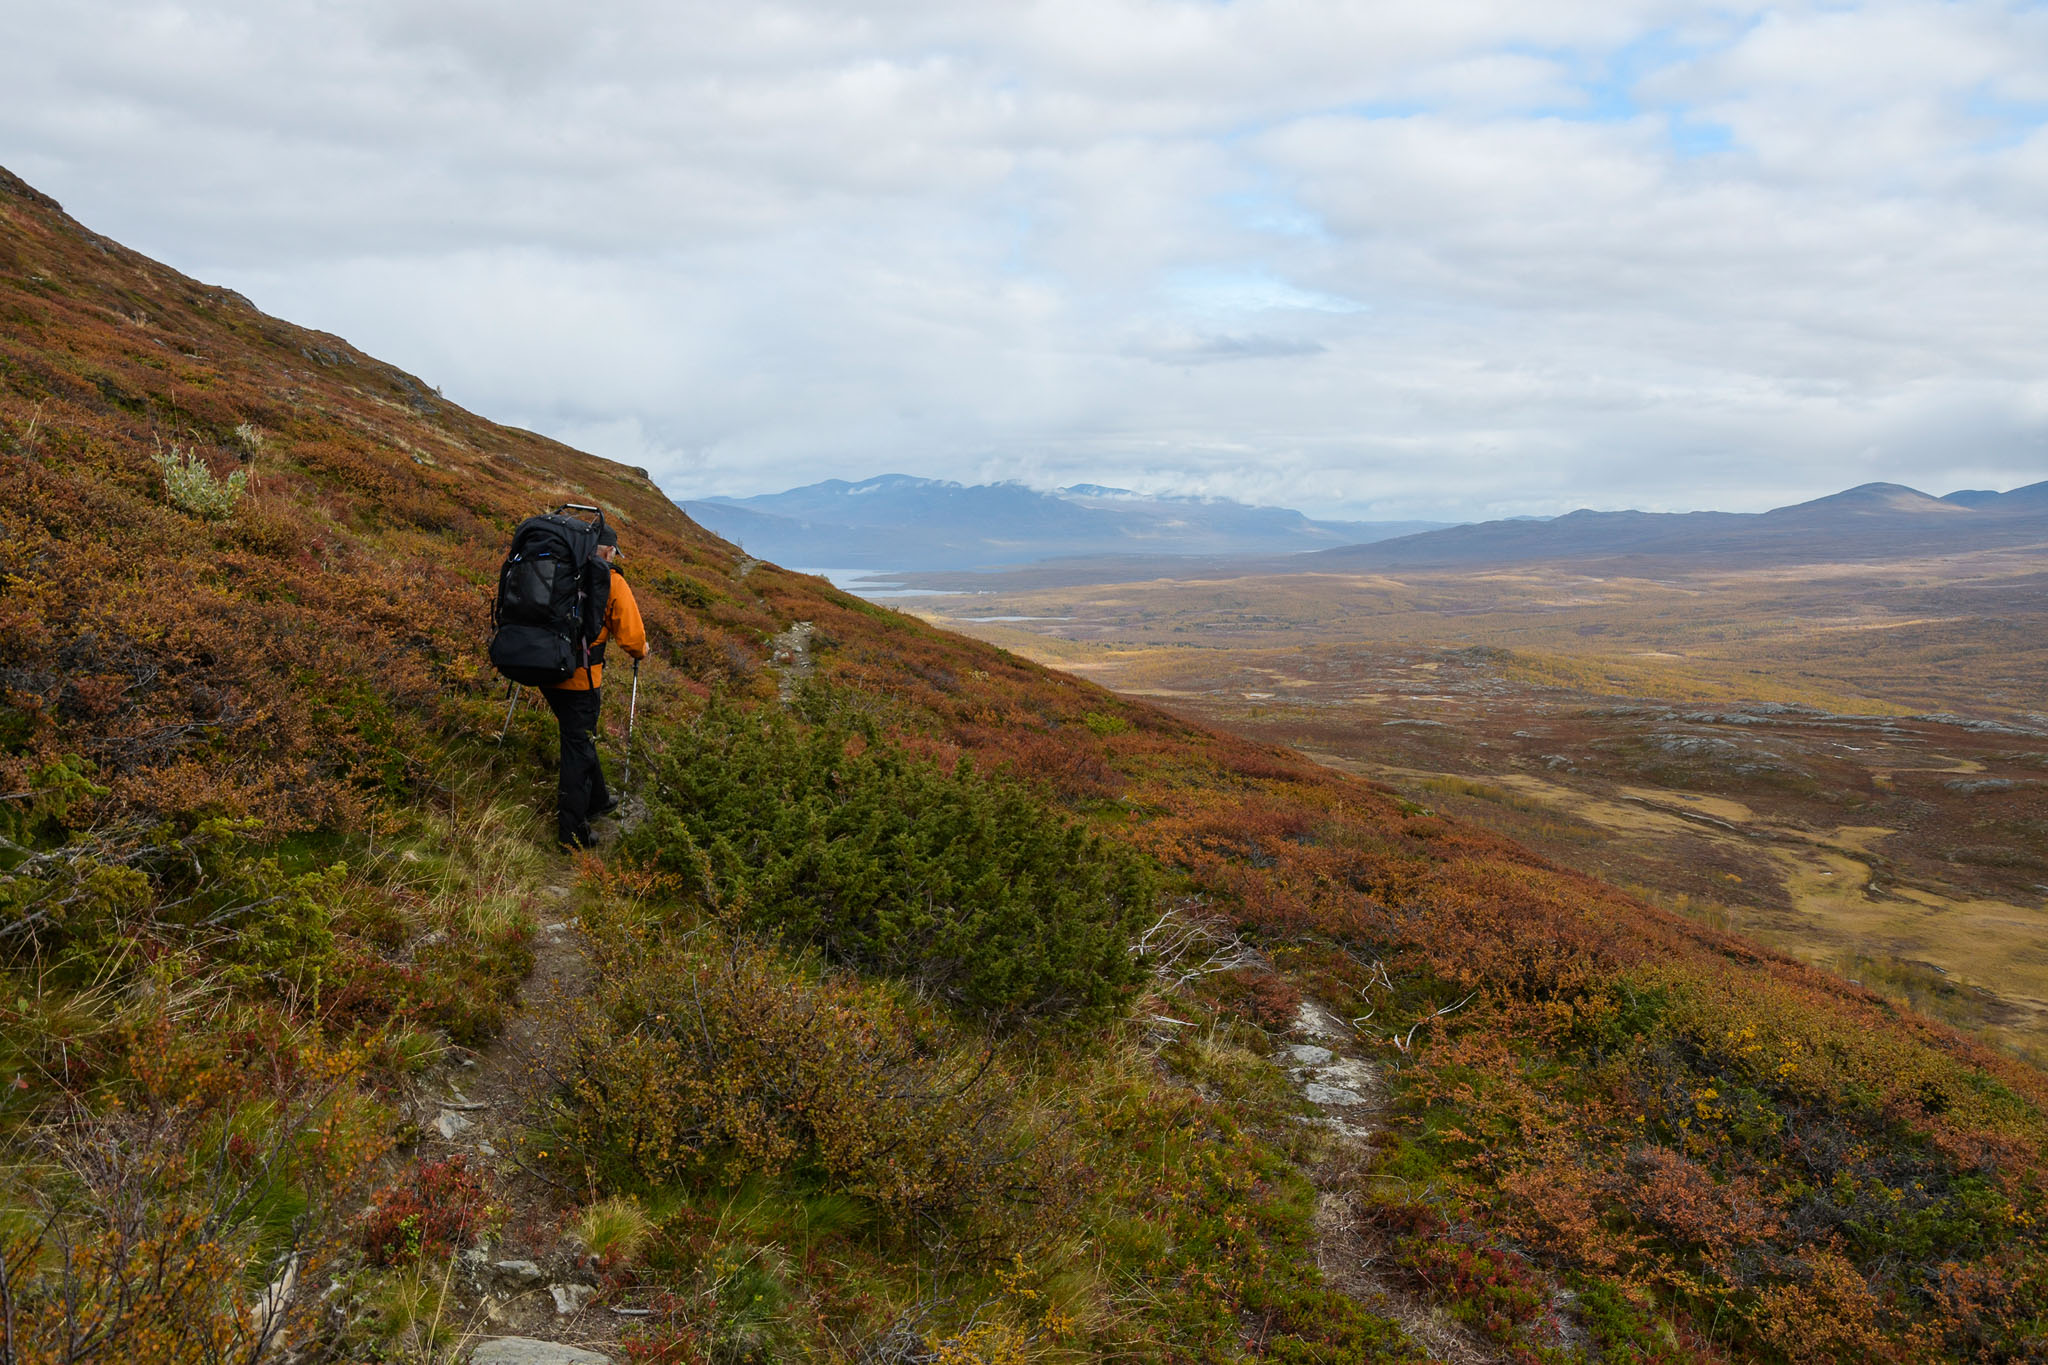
552 595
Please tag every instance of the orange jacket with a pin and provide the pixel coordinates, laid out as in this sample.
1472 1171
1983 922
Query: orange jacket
622 627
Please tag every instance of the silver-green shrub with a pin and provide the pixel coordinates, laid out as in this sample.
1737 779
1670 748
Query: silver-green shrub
190 485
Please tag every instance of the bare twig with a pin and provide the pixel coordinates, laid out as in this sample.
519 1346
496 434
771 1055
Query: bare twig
1405 1043
1182 945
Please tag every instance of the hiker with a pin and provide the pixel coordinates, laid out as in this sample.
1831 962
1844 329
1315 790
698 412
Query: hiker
582 795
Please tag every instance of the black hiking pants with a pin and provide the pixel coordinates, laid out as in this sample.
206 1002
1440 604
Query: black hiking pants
581 792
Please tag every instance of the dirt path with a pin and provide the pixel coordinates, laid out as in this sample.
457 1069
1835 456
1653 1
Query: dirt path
530 1282
1348 1090
790 656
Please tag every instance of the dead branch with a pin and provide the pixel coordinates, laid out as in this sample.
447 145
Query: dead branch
1183 945
1405 1043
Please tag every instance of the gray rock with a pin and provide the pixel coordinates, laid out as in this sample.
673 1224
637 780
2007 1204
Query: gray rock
1330 1096
570 1298
1350 1073
527 1351
448 1123
1982 727
1308 1054
520 1273
1317 1022
1693 746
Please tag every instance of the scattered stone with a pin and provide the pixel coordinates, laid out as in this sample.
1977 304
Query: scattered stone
448 1123
1693 746
485 1149
1350 1073
520 1274
527 1351
570 1298
1330 1096
1338 1085
1982 727
1317 1022
790 656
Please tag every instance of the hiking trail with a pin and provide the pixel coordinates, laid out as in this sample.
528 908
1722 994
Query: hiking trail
1348 1091
789 654
526 1297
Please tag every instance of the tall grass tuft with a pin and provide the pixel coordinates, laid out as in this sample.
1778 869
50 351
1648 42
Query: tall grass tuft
613 1230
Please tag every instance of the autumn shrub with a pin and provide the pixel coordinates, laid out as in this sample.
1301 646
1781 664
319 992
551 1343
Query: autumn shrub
435 1210
186 1236
967 885
1320 1326
717 1060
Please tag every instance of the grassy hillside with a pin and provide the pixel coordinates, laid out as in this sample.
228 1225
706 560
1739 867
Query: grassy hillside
939 1012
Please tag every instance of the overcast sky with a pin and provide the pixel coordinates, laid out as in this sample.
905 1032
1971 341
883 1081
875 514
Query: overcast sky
1461 258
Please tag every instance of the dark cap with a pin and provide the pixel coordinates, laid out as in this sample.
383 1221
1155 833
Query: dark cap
606 535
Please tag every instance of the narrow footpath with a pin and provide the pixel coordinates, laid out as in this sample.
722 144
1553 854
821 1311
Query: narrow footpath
525 1298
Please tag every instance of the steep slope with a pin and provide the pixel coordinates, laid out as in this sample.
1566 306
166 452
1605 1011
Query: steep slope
942 1014
1873 522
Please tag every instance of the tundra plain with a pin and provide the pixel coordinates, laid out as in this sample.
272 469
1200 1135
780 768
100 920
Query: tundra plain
1847 762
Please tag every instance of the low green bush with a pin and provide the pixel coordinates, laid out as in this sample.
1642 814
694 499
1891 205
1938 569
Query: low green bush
967 885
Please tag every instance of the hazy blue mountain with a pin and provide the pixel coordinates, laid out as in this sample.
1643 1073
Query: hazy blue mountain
1876 521
900 522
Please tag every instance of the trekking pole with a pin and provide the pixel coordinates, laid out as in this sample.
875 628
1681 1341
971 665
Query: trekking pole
511 703
632 710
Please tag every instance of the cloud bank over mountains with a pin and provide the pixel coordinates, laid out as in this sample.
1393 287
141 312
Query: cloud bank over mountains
1456 260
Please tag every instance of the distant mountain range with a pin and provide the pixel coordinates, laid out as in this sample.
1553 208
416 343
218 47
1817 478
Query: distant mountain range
935 531
1877 521
911 524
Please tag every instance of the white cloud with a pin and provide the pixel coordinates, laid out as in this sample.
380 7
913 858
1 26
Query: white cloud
1464 258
